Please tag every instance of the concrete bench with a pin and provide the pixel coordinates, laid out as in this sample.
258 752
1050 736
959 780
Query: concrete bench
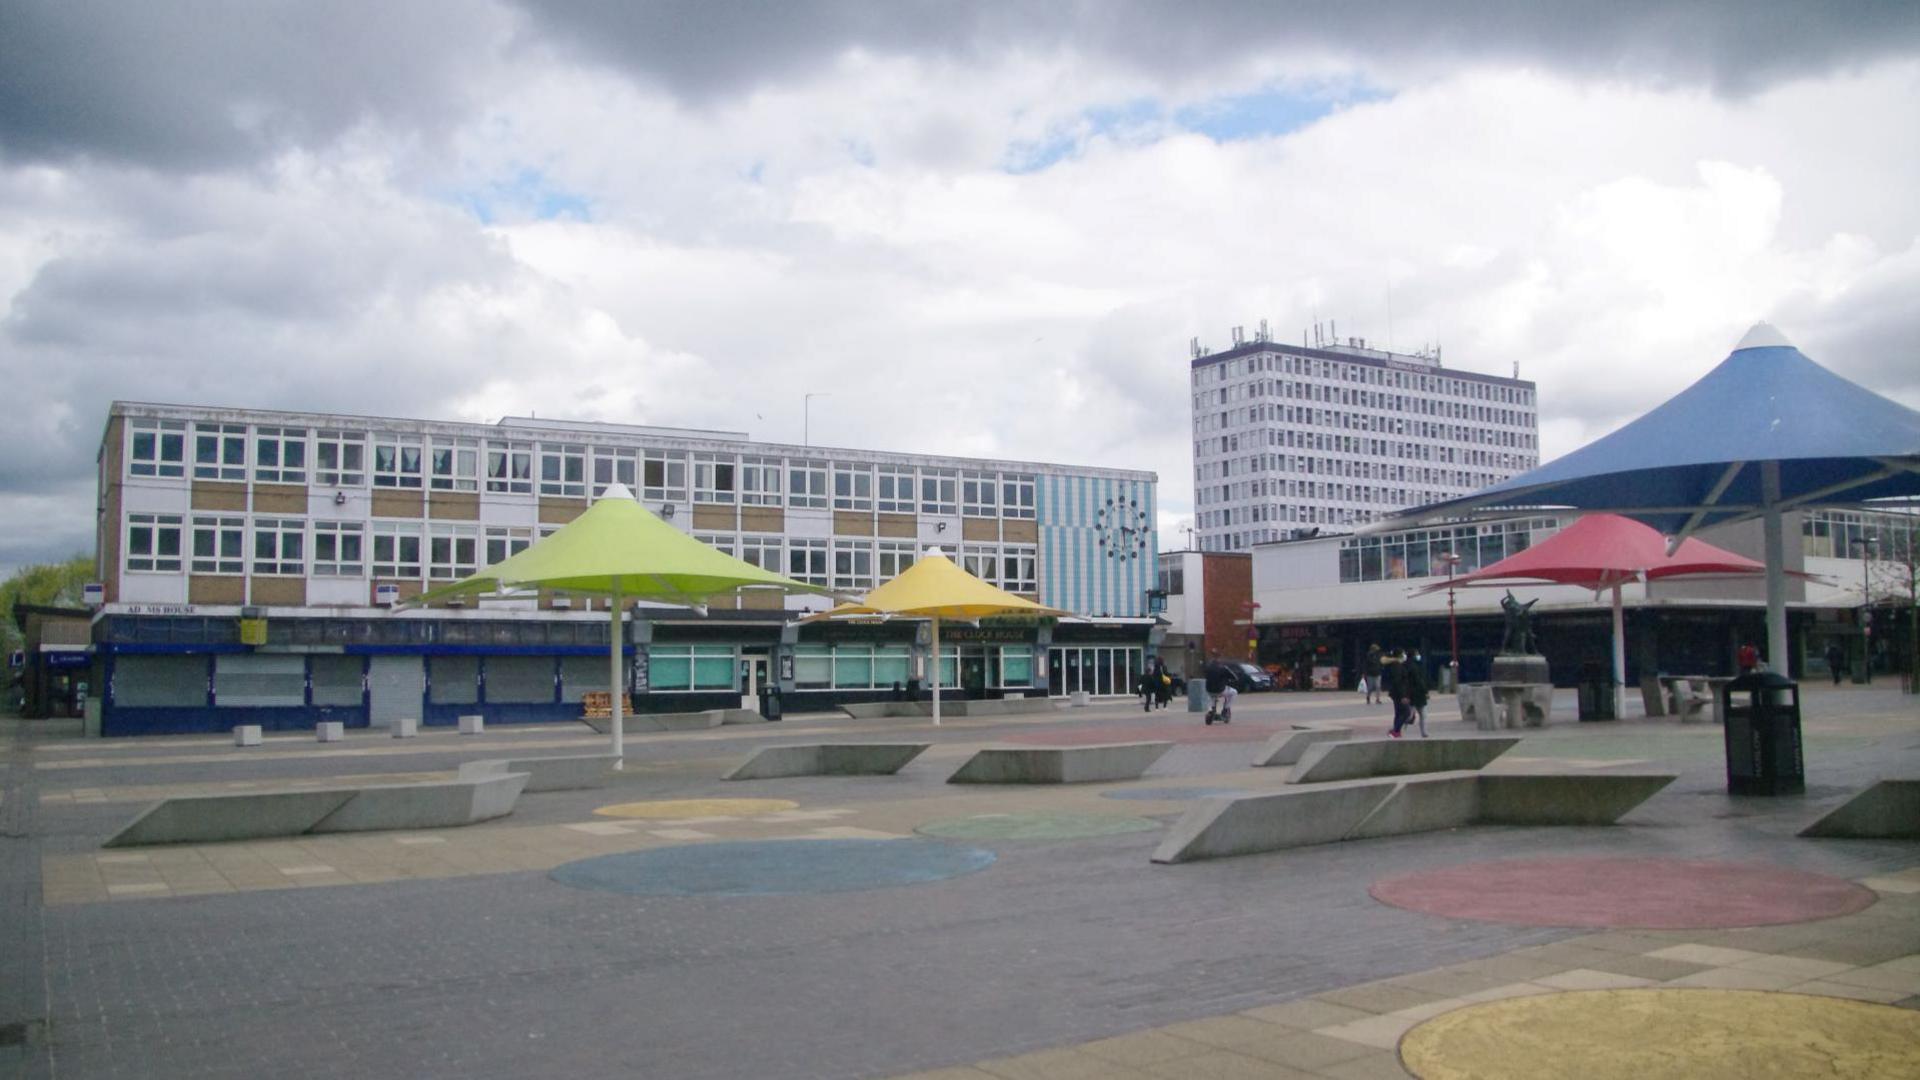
473 725
575 772
246 735
254 815
1060 764
406 727
645 723
827 759
330 731
1476 706
1286 747
1363 758
1231 825
1888 809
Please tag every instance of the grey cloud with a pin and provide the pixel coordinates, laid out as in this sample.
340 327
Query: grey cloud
195 84
709 49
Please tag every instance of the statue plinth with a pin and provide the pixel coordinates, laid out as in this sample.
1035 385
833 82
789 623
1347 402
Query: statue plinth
1520 668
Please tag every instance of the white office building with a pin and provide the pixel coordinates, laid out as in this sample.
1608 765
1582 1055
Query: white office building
1291 439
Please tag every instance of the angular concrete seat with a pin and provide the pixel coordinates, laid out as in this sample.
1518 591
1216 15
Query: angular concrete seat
1060 764
1889 809
575 772
1287 747
1360 758
827 759
253 815
1361 809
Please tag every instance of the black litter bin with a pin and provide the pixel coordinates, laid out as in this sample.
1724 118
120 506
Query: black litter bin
770 702
913 689
1761 714
1597 699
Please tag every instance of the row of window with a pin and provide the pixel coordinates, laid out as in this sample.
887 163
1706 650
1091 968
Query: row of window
1423 553
1368 374
283 455
409 550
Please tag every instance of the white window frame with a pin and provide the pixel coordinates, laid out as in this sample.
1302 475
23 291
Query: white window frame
563 470
279 547
852 487
509 467
399 461
614 465
892 557
895 489
219 545
453 464
340 549
982 561
503 542
807 560
725 543
152 532
340 458
453 551
807 483
165 445
979 494
853 564
399 551
664 475
939 491
715 478
759 481
227 445
766 552
1019 568
1016 497
280 455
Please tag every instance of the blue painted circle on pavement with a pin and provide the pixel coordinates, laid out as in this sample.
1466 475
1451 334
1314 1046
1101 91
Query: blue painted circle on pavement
1166 793
774 867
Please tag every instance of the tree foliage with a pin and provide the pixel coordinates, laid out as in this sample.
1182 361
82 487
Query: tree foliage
47 584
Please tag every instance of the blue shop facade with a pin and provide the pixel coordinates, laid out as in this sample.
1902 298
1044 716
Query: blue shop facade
172 669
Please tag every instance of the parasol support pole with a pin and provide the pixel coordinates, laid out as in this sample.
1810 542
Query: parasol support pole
1776 567
1619 640
936 671
614 681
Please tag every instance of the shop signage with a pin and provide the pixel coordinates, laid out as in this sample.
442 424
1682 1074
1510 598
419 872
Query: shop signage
162 609
986 634
640 674
1326 678
65 659
93 594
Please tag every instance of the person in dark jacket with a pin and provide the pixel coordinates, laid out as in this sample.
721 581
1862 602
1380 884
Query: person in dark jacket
1221 689
1413 683
1370 669
1390 672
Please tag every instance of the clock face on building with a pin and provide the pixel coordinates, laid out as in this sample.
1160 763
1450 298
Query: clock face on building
1121 526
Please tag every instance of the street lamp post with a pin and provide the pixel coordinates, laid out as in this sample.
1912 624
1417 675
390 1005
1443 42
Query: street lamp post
1452 559
1865 544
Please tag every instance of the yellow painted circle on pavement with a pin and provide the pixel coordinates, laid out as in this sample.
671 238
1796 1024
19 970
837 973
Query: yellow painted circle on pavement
672 809
1666 1033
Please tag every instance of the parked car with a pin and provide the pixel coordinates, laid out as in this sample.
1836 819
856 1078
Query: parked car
1247 678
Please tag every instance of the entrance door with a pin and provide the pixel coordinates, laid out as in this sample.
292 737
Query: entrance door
753 676
973 673
398 686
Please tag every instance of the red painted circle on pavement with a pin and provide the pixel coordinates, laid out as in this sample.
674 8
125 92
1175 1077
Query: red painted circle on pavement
1624 893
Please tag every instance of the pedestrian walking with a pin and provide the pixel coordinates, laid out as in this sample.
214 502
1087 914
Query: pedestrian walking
1836 661
1413 680
1391 672
1370 669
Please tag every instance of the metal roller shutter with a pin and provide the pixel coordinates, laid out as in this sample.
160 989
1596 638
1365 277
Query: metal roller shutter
456 680
519 679
396 684
582 675
251 680
337 680
159 681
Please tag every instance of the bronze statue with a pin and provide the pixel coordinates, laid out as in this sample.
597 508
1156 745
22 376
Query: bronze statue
1517 639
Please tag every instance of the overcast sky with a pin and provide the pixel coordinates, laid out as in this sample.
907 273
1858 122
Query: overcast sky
981 229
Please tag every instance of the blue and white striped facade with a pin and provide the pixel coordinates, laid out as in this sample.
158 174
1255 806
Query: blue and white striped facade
1077 574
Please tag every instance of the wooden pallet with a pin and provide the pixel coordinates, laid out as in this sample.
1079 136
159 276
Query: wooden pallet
598 705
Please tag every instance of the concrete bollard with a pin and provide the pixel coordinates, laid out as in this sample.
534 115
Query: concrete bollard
473 725
246 735
406 727
330 730
1079 699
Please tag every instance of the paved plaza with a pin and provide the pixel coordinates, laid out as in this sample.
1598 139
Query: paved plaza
676 925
